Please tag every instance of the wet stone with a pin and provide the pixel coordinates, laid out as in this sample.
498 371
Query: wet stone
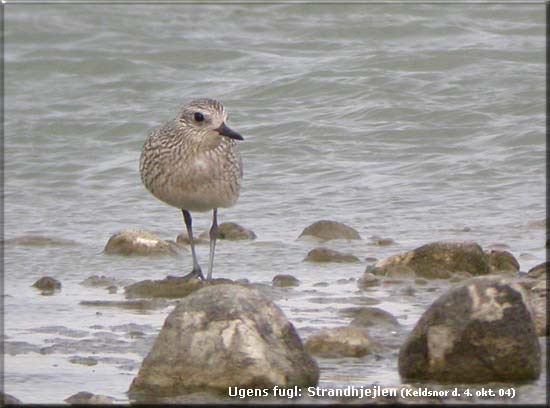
328 230
373 316
283 281
222 336
170 287
321 284
502 262
84 397
376 240
392 271
368 280
235 232
345 341
479 331
47 285
8 399
540 271
323 254
140 243
439 260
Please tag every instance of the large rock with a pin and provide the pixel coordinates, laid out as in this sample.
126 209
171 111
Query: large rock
479 331
346 341
139 243
323 254
9 399
440 260
224 336
328 230
540 271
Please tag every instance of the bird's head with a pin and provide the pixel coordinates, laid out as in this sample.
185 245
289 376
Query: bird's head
207 117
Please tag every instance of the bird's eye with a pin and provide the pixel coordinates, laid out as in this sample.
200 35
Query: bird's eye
199 117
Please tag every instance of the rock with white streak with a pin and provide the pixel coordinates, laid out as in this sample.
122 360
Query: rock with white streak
479 331
224 336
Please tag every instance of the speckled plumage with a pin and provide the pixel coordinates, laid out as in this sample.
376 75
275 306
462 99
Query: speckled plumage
193 163
192 167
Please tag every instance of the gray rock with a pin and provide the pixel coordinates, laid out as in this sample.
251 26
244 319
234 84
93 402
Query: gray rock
47 284
502 262
328 230
282 281
171 287
479 331
439 260
9 400
235 232
323 254
347 341
540 271
373 316
223 336
85 397
139 243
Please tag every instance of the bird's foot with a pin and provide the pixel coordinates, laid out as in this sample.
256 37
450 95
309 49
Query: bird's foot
194 274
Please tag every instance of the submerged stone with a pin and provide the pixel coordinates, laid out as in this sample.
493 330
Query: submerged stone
323 254
283 281
85 398
47 284
329 230
347 341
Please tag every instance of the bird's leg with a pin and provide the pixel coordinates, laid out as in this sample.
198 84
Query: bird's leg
188 223
213 237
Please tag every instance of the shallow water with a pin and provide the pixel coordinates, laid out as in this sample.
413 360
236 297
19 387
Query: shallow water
414 122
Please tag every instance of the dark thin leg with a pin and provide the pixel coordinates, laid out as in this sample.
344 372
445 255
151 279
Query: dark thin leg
213 237
188 223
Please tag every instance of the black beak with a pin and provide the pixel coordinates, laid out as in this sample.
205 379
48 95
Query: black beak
225 131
